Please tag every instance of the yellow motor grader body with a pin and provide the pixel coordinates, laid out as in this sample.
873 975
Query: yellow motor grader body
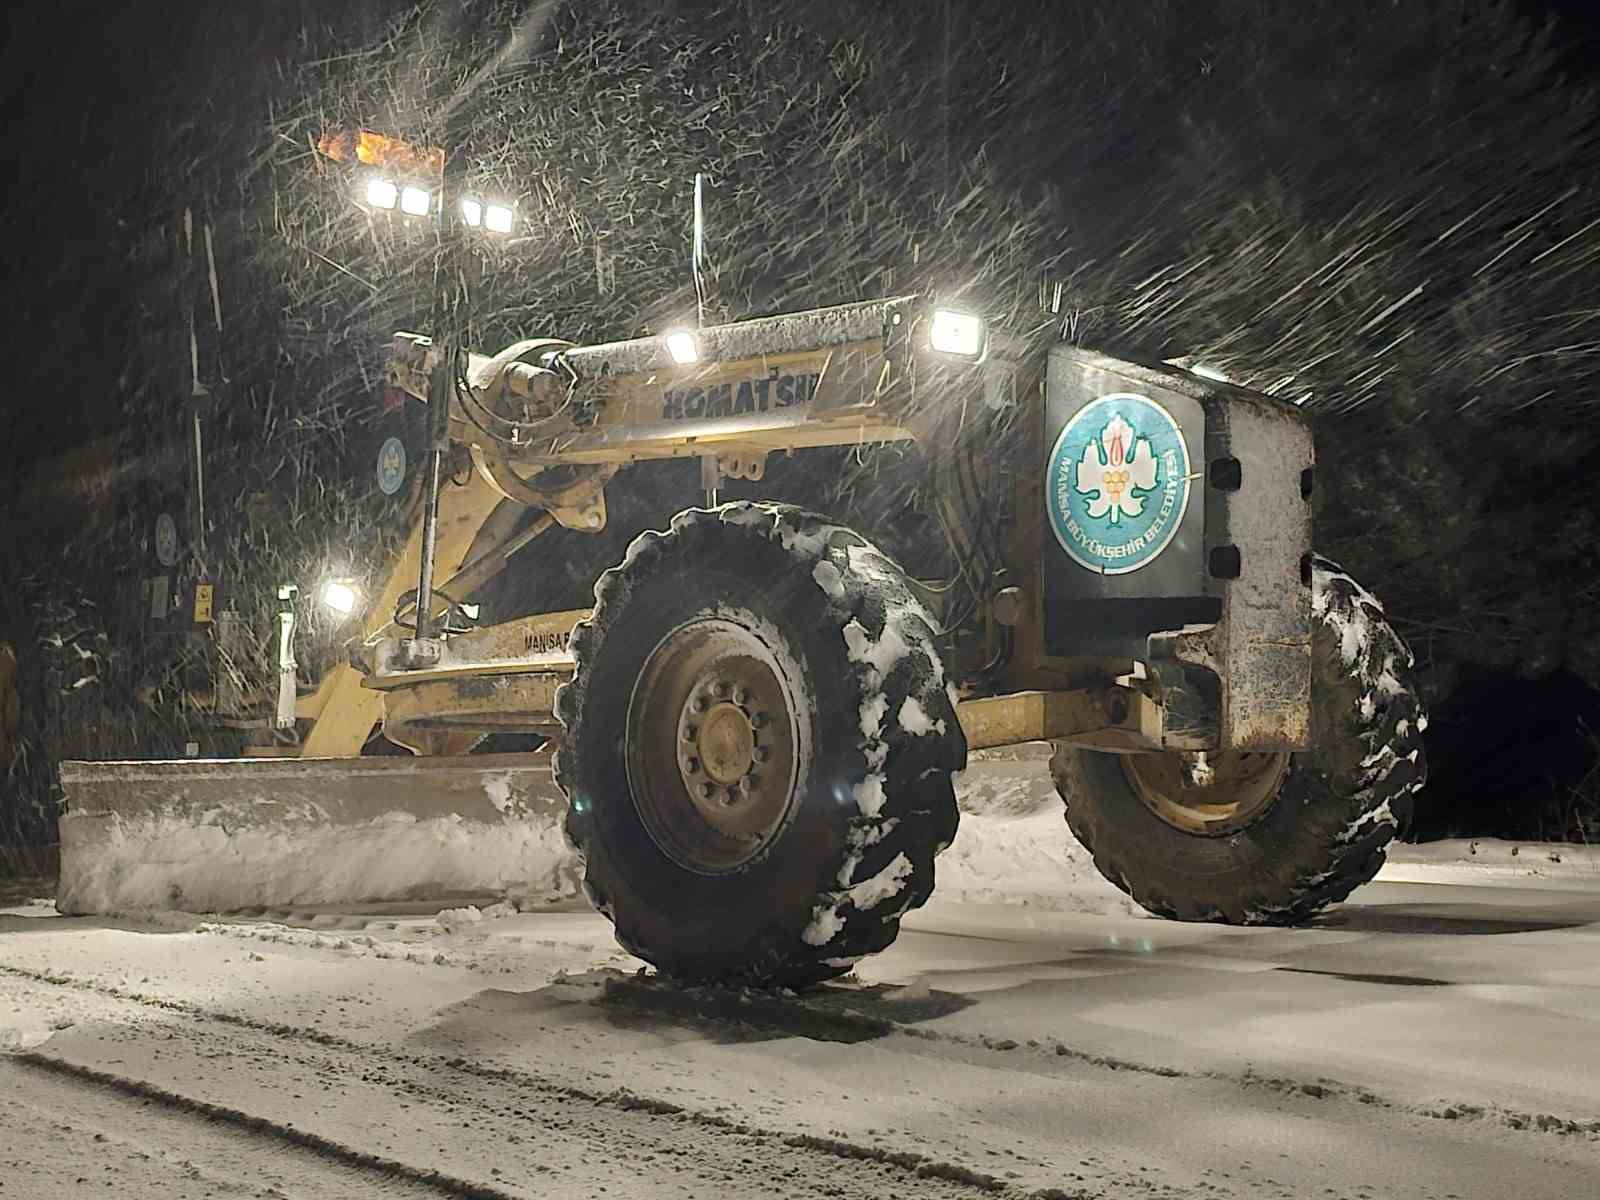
846 376
1137 587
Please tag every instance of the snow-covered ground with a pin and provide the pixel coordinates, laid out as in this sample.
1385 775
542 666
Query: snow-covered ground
1029 1035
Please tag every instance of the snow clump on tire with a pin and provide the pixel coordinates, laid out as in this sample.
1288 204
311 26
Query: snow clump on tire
1336 810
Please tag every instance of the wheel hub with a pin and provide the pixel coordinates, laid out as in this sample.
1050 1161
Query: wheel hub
722 787
724 745
1212 796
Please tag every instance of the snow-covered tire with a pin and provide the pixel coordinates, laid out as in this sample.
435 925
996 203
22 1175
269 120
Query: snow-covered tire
1337 807
845 702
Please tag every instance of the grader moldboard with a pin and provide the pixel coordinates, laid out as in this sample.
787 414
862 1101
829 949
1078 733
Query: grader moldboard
756 726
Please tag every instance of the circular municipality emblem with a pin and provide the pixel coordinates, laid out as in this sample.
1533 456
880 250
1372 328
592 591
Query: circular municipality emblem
1117 483
391 466
166 540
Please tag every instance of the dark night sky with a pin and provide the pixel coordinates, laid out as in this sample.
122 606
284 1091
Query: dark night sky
77 74
73 74
1578 23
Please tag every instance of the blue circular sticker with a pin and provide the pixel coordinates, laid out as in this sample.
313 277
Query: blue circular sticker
391 466
166 540
1117 483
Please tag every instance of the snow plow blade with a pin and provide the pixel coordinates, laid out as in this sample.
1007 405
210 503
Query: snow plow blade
230 835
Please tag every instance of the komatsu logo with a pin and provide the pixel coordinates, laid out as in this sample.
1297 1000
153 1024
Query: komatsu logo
759 395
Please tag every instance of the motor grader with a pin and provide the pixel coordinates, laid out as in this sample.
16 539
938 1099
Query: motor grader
756 725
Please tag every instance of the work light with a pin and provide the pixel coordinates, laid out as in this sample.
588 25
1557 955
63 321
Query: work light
683 347
381 193
415 201
958 334
498 218
340 597
495 218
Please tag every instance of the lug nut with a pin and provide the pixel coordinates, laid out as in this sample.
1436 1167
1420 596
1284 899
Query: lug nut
693 764
758 720
690 732
760 754
720 688
699 704
706 790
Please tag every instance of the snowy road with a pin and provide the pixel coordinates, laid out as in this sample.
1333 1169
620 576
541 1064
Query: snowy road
1441 1038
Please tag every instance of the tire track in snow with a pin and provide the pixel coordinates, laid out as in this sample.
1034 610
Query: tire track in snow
831 1015
261 1127
819 1015
67 1136
620 1117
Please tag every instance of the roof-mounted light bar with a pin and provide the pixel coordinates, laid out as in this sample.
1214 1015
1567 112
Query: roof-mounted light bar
487 215
381 193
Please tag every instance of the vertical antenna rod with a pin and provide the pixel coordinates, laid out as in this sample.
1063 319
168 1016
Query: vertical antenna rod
698 248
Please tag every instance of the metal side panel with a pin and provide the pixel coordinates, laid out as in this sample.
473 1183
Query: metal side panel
1223 586
232 834
1262 529
1111 578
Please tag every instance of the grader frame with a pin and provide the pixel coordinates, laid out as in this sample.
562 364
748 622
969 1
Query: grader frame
1190 676
541 410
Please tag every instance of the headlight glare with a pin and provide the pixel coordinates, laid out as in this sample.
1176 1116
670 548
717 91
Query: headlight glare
415 201
683 346
960 334
340 597
499 218
381 193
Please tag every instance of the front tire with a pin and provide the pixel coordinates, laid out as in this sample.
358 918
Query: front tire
1275 838
759 742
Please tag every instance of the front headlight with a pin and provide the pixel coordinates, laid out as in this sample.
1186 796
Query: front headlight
683 346
340 596
959 334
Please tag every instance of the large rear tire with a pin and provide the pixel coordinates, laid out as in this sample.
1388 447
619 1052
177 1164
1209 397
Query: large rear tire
759 740
1272 839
